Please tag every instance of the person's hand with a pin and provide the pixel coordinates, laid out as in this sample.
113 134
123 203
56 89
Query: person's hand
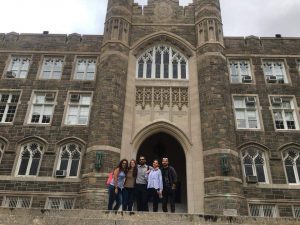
173 186
148 171
159 194
116 191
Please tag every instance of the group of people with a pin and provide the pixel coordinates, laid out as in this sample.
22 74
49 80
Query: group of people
141 182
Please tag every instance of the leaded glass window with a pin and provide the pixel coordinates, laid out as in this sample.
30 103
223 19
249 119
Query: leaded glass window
162 62
85 69
240 71
291 160
275 71
29 159
69 159
52 68
254 164
18 67
8 106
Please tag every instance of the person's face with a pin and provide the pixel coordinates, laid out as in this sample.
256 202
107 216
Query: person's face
124 164
132 164
165 162
142 160
155 164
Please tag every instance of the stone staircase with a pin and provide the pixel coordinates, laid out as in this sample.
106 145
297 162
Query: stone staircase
96 217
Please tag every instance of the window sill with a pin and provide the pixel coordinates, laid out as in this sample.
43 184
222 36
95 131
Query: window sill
248 129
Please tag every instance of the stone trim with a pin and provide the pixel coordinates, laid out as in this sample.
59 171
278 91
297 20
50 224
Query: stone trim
275 186
220 151
223 178
103 148
224 196
262 55
41 179
273 201
48 52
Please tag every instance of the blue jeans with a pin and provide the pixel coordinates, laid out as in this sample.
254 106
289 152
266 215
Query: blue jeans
112 197
128 195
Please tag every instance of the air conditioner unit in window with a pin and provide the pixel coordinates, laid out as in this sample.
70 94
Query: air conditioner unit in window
250 101
247 79
276 101
75 98
10 74
60 173
50 96
271 79
251 179
281 81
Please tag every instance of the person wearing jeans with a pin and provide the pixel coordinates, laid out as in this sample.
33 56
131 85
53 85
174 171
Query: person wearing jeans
128 193
116 186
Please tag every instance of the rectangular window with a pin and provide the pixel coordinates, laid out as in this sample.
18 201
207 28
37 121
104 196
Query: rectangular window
18 67
52 68
274 71
85 69
240 71
16 202
60 203
262 210
78 109
296 209
8 106
284 113
42 108
246 112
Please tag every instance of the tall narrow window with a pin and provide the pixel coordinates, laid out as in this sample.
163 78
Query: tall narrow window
291 160
254 164
162 62
29 159
18 67
284 113
85 69
69 161
8 106
240 71
78 109
246 112
274 71
42 108
52 68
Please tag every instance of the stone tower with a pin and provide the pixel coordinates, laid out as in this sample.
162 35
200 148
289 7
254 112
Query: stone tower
109 97
223 186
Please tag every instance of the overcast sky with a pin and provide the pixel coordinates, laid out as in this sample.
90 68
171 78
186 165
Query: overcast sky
240 17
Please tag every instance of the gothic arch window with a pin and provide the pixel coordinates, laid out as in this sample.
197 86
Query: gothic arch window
254 164
70 156
291 159
29 159
162 62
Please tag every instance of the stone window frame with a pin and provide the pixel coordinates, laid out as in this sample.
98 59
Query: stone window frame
260 205
284 157
8 64
87 57
251 69
58 158
295 112
10 91
18 203
41 66
61 202
67 102
286 70
152 58
29 140
265 153
30 106
258 108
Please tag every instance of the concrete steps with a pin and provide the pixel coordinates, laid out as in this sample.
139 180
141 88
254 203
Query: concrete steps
96 217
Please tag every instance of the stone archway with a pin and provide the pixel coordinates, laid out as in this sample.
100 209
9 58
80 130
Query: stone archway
161 145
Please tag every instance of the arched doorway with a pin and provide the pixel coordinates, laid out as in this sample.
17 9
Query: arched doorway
160 145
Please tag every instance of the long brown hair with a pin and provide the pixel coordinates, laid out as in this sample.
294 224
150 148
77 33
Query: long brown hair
134 174
120 167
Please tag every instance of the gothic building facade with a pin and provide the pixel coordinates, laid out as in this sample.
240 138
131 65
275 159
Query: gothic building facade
161 81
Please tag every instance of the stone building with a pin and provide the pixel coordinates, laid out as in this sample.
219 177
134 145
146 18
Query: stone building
161 81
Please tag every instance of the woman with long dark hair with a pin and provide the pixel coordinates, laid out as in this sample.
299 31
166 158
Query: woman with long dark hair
128 193
116 185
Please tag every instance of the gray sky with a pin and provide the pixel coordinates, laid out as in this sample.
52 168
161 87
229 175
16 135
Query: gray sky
240 17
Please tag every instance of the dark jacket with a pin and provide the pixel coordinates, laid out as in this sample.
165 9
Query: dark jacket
172 175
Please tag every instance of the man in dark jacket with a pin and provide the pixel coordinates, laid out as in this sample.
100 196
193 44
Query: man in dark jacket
169 185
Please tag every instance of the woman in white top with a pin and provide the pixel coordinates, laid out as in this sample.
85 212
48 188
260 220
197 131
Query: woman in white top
155 185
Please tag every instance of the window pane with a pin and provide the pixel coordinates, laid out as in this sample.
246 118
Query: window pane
34 167
290 174
74 167
248 170
166 64
141 69
23 166
64 164
183 70
157 64
175 69
149 69
260 173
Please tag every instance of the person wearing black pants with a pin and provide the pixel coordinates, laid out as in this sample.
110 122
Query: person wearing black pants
169 185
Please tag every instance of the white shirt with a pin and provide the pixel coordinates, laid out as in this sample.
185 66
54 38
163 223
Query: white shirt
155 180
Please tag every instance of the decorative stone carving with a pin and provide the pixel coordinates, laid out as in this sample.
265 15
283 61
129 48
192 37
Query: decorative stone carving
163 11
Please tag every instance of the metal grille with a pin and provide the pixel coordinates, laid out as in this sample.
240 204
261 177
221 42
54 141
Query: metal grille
60 203
297 211
262 210
16 202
